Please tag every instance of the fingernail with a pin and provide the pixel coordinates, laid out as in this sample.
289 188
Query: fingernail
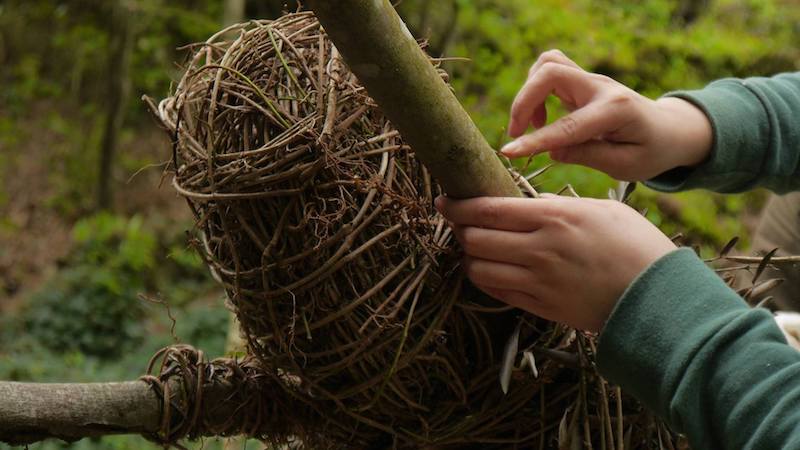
510 148
437 202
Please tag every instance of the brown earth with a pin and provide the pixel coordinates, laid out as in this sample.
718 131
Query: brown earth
34 231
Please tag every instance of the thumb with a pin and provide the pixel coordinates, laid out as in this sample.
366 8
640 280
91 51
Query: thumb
614 159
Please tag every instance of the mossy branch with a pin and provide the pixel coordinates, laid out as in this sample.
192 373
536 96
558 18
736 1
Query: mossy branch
386 58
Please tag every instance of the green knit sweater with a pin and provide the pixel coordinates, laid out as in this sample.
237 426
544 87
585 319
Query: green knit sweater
679 339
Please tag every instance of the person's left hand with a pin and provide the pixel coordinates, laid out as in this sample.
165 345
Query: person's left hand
563 259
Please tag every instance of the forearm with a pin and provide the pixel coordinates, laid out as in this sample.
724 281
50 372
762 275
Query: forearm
692 350
756 138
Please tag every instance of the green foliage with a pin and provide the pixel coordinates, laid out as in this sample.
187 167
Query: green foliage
61 49
25 356
57 53
86 323
87 311
92 305
204 326
119 244
645 45
72 183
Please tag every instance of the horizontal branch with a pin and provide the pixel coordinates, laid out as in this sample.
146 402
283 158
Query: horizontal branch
186 397
757 259
30 412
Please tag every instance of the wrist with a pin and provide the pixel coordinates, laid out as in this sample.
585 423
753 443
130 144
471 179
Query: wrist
687 132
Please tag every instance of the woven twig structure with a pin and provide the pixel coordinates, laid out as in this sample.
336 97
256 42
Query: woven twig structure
317 219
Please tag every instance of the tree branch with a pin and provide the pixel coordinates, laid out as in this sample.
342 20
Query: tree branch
388 61
30 412
203 398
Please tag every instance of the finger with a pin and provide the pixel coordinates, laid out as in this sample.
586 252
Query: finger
500 213
584 124
497 275
495 245
564 81
617 160
514 298
539 117
554 56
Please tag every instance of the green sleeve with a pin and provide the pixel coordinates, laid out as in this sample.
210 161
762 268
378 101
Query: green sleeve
689 348
756 124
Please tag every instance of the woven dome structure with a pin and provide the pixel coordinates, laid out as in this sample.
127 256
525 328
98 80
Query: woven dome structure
317 219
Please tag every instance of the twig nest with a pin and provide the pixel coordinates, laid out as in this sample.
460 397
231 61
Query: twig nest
318 221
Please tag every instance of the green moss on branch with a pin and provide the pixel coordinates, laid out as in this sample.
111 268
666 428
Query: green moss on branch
387 60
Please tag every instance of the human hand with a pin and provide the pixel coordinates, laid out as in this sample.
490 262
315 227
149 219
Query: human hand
610 128
564 259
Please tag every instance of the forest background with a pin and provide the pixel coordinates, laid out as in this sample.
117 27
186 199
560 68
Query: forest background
93 241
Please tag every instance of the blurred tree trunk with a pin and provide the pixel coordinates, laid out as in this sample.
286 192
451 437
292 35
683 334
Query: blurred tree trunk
233 12
117 95
448 31
688 11
433 21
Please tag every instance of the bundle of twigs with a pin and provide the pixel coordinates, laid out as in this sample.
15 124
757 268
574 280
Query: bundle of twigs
317 219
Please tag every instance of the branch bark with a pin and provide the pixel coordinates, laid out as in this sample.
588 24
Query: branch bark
388 61
189 398
30 412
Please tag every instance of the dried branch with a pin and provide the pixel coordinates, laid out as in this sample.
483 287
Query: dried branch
203 398
30 412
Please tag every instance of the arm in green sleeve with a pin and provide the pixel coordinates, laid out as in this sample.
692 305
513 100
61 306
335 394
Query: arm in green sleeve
756 124
689 348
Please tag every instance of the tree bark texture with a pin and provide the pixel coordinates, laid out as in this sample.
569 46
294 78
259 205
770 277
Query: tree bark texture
182 396
30 412
387 60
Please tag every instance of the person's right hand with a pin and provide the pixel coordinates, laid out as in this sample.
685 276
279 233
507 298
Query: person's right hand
610 127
